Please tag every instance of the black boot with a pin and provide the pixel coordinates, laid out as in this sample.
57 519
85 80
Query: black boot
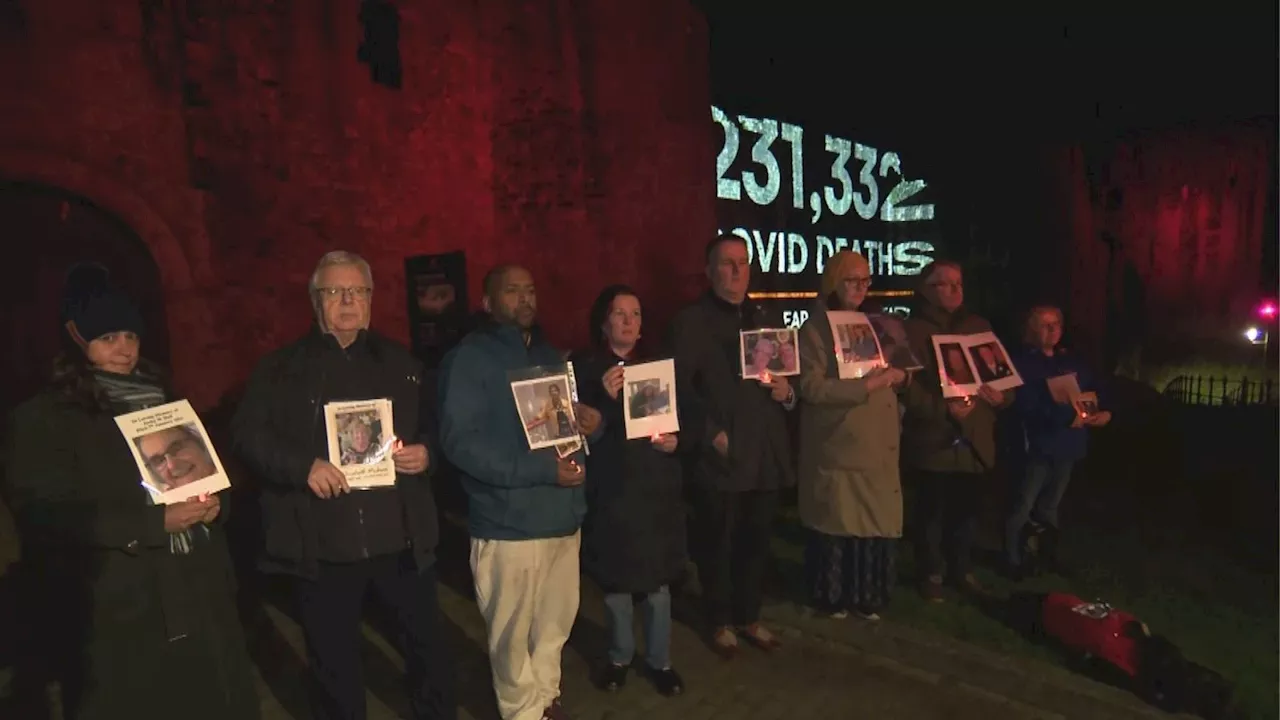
1050 551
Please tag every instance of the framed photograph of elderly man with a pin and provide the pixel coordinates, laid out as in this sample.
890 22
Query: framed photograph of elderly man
857 347
174 456
545 405
649 399
361 438
769 351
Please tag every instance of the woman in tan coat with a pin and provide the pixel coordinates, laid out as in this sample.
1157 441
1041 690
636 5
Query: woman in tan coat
850 496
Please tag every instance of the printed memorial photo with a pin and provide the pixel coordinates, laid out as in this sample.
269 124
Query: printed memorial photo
893 341
958 378
361 440
545 405
1064 389
991 361
857 349
769 351
174 456
649 399
1087 404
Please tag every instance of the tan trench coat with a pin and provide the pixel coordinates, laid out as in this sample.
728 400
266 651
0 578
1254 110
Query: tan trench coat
848 480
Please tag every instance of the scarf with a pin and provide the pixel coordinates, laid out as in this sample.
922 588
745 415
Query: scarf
140 391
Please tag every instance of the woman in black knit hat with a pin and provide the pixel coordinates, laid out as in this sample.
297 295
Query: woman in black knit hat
145 623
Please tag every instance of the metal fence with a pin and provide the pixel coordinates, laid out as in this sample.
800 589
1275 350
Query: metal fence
1208 390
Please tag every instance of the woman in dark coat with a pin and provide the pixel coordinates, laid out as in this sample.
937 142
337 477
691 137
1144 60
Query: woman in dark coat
146 593
634 534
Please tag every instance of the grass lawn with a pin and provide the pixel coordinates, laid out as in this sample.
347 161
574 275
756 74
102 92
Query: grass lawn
1220 615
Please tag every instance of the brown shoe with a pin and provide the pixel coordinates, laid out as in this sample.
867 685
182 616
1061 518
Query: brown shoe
760 636
725 642
931 589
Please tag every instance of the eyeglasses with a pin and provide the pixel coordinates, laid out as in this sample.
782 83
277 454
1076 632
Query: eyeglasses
157 462
858 283
332 293
937 285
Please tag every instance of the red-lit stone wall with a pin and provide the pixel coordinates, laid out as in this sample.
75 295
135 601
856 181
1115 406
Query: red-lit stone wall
242 140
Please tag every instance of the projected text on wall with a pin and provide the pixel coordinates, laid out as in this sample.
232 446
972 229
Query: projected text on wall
794 216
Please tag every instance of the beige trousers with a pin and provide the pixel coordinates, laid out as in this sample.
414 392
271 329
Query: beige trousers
527 591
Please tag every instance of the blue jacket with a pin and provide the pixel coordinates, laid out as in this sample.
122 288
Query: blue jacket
1046 423
512 491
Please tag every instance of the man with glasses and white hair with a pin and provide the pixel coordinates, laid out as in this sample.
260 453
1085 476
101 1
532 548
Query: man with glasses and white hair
334 541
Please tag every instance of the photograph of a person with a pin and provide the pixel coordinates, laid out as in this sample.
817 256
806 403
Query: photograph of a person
857 350
175 459
893 341
649 399
546 410
176 456
360 436
360 440
772 351
991 362
954 365
435 295
1087 403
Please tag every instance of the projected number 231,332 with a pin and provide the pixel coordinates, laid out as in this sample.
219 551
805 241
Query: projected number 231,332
862 195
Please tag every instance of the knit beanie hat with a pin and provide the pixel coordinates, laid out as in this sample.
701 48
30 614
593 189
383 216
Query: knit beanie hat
91 308
838 267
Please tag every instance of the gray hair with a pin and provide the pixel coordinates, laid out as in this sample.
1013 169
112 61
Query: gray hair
330 259
335 258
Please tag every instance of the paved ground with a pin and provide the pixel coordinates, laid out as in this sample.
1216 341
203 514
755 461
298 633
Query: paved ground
809 678
827 669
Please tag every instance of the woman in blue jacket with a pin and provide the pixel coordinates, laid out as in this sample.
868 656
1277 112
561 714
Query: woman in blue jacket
1056 435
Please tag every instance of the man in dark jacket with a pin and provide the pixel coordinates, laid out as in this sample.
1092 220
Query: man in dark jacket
526 507
948 444
746 450
335 541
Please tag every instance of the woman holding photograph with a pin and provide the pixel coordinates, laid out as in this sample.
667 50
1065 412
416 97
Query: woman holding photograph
1056 435
949 442
849 493
634 533
146 610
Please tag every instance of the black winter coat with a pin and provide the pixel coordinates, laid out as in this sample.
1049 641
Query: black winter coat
151 634
279 431
634 532
706 343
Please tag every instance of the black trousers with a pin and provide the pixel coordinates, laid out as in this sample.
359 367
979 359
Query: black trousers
330 611
734 530
946 521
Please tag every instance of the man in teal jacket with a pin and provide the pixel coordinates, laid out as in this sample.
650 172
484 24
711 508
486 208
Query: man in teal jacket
526 507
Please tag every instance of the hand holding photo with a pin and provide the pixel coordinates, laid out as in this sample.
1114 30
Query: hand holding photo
968 362
174 456
649 399
1086 404
857 348
768 352
545 406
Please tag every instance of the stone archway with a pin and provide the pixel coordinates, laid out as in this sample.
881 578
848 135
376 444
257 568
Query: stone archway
26 167
50 230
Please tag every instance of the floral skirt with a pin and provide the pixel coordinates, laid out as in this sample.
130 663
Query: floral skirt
849 573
